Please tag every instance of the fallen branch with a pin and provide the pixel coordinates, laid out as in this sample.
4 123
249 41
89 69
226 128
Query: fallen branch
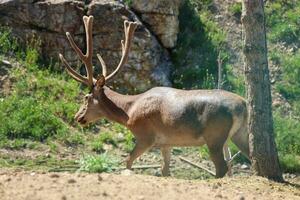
196 165
141 167
233 157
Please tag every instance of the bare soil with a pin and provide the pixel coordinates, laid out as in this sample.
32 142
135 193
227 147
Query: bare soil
25 185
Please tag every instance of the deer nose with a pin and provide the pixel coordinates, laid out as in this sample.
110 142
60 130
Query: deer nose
81 120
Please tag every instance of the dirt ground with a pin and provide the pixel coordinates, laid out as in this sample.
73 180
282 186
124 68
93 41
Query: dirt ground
26 185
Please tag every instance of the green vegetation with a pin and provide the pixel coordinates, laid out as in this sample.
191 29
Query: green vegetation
128 2
283 21
26 113
283 32
236 9
97 164
287 140
199 44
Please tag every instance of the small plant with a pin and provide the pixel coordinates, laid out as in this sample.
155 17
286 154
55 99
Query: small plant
73 139
128 2
97 164
8 44
107 137
129 142
204 152
236 9
97 146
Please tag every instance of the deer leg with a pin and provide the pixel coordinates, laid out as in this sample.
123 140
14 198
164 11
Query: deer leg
217 157
138 150
166 153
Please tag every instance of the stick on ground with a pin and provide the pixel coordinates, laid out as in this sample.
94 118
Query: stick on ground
197 165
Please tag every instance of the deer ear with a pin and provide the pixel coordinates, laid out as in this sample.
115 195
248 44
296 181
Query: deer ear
100 81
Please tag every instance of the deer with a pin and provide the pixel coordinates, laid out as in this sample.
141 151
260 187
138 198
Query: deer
162 117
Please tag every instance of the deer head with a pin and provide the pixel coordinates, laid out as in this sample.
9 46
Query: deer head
92 108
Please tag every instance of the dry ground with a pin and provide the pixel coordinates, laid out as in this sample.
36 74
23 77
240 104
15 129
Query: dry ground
15 185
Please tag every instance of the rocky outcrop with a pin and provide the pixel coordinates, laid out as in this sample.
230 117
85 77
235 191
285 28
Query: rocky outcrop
48 20
161 17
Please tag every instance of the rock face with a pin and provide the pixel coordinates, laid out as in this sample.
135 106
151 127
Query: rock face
148 65
162 18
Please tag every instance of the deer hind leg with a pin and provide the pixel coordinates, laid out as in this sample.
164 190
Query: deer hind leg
166 153
140 147
215 145
217 157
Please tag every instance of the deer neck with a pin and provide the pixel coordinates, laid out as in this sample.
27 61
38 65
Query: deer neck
116 106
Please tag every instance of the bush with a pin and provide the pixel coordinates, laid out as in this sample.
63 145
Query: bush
27 118
282 19
287 139
289 86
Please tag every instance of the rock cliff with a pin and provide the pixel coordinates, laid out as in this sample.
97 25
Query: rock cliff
149 62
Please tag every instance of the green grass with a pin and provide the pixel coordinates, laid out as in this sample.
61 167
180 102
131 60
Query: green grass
236 9
97 164
40 162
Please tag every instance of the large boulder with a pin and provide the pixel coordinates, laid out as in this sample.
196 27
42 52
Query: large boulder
162 18
148 65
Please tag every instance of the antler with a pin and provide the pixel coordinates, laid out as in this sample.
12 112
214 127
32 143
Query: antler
87 58
129 28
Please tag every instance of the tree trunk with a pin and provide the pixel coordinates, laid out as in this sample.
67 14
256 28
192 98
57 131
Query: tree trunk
263 152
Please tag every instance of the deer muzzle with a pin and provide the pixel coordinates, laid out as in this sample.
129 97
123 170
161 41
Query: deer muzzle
79 117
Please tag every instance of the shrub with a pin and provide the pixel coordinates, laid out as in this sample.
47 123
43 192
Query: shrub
287 139
289 86
27 118
282 19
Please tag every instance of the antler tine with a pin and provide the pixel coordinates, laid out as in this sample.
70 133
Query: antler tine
72 72
129 28
74 46
104 69
123 45
87 58
88 24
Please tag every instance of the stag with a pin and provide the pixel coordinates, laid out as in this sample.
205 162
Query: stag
161 117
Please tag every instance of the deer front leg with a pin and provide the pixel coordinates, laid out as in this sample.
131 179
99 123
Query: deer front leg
139 149
166 153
